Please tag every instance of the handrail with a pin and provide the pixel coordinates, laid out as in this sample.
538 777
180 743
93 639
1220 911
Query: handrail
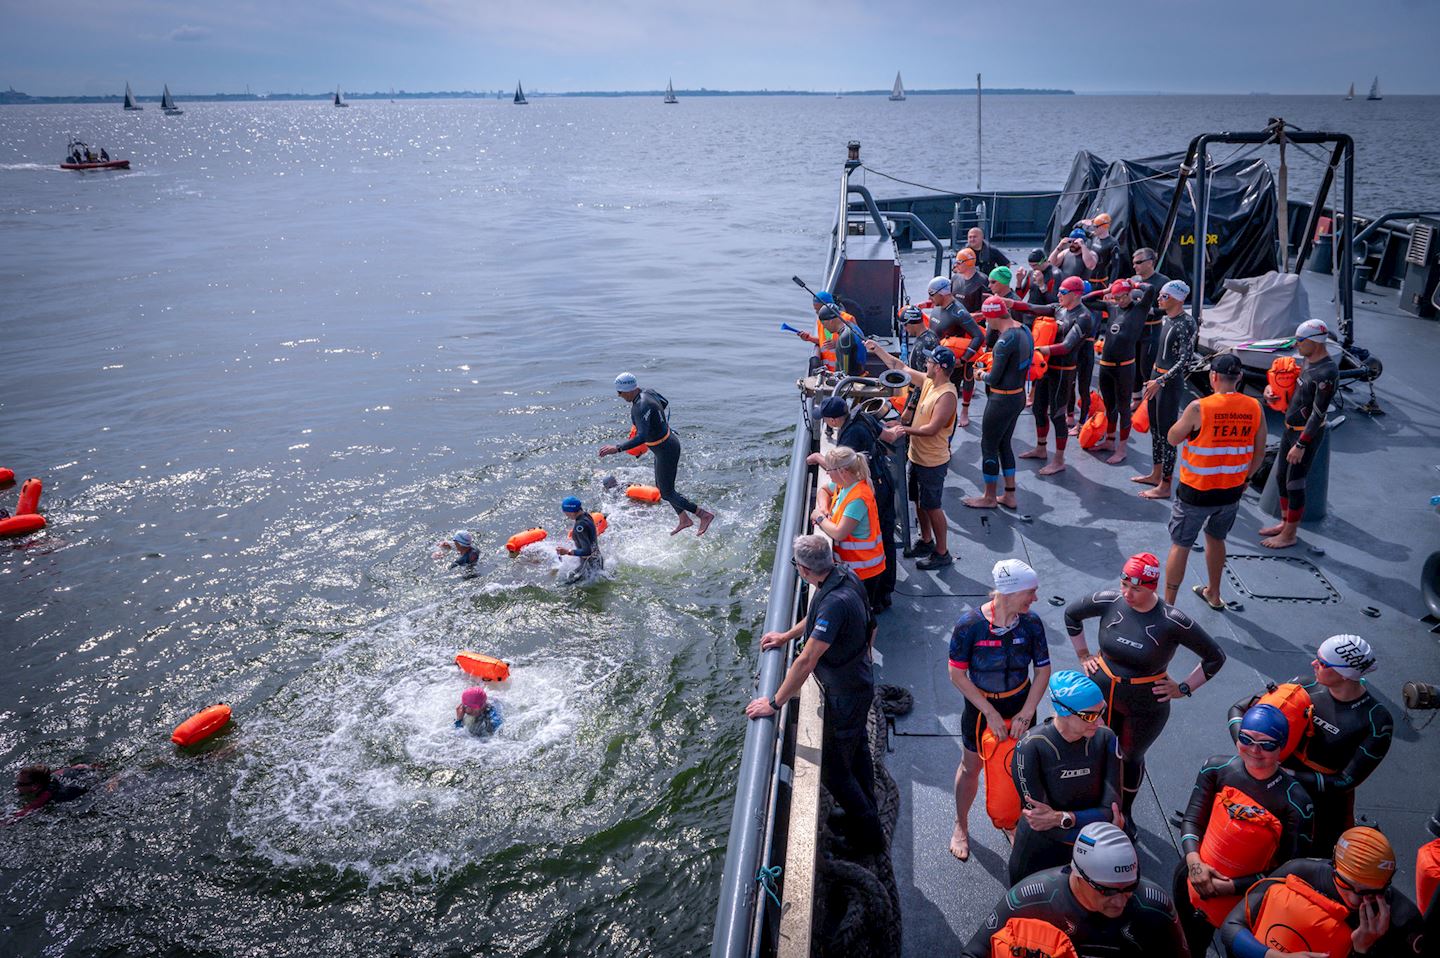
929 234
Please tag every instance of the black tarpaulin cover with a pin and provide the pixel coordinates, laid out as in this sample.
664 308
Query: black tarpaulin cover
1074 205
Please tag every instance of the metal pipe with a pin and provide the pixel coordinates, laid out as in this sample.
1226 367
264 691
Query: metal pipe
1168 233
870 205
915 220
1317 208
979 132
1347 270
1389 215
1202 211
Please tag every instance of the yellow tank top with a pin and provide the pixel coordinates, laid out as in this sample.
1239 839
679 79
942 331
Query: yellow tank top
932 450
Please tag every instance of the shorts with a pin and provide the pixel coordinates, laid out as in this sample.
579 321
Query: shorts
1186 521
927 484
972 722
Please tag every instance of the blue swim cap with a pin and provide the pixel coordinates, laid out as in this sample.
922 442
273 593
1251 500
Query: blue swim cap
1075 691
1077 233
463 539
824 297
1267 720
570 504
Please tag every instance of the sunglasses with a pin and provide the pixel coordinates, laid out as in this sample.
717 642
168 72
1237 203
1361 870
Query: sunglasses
1087 717
1353 888
1133 580
1138 262
1110 891
1269 746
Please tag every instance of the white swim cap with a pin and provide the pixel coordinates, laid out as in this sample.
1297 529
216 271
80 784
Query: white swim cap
1176 289
1312 329
1349 655
1105 855
626 382
1012 576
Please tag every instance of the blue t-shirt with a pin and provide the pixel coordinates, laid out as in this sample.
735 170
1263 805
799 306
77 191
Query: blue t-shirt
998 660
855 509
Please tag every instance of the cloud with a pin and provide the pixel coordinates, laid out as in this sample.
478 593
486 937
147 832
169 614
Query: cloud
189 34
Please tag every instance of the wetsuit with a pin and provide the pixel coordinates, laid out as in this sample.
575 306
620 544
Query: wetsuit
1403 938
651 419
1117 363
1107 263
1073 264
1346 743
1147 928
1135 649
1304 425
1059 379
1043 293
466 559
1004 402
920 344
987 258
484 724
970 292
1085 364
1155 318
861 432
955 320
1177 346
998 661
1080 777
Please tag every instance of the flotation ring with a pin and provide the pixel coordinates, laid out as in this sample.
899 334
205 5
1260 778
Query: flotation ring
1140 419
1241 837
29 497
21 525
7 475
639 450
201 725
643 493
1002 801
1039 365
1295 917
484 667
1044 330
1032 938
1294 703
522 539
1283 374
1094 429
1427 873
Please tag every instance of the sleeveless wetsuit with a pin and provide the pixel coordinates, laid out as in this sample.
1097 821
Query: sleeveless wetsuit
1136 649
1117 363
1304 424
652 428
1177 346
1004 402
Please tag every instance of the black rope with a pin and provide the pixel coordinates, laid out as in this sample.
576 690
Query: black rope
1169 832
1020 196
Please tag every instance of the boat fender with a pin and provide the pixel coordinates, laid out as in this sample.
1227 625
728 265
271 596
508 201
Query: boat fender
639 450
1241 837
487 668
7 476
643 493
522 539
1002 800
29 497
21 525
200 726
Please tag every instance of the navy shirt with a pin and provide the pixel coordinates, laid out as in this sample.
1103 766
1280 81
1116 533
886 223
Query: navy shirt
998 659
840 616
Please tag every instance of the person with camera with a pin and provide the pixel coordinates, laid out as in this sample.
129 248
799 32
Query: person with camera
1072 257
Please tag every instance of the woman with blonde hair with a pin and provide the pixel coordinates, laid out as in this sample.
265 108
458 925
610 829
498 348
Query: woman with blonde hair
846 511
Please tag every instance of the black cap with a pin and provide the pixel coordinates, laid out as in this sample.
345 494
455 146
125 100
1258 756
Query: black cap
942 355
834 407
828 312
1037 256
1226 364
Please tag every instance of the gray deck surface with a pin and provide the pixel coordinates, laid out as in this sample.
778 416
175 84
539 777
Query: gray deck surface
1084 522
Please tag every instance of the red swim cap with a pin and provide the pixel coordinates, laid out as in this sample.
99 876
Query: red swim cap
1120 287
1072 284
993 306
1143 569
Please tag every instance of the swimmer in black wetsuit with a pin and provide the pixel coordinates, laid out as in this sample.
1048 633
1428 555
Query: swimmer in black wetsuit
1150 281
1099 901
1059 379
40 785
464 545
651 419
584 539
1004 402
1038 283
1138 636
1117 365
1304 427
1164 390
967 283
1067 772
950 320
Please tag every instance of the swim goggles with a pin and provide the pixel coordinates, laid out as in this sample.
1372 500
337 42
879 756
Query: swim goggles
1111 891
1269 746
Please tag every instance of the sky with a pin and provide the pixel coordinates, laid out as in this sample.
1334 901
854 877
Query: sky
90 47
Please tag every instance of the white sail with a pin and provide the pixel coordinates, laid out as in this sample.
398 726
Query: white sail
130 103
897 92
670 92
167 103
1351 94
339 100
1375 90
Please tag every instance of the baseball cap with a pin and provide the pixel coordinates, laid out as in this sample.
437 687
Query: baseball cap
1226 364
942 355
834 406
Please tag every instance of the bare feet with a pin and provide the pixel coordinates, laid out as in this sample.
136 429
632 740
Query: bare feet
1117 457
1104 445
1070 420
960 843
1074 430
1053 466
684 523
1009 834
705 519
964 416
1008 500
1039 452
1161 491
1150 480
1280 542
981 502
1272 530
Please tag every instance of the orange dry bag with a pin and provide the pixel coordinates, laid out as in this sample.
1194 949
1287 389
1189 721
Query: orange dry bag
484 667
1039 365
639 450
1294 703
522 539
1045 330
7 475
1427 873
601 523
643 493
1094 429
1240 839
29 497
21 525
201 725
1031 938
1140 419
1295 917
1283 373
1002 801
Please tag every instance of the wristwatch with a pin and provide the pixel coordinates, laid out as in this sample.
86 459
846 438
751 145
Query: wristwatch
1067 820
775 707
1184 688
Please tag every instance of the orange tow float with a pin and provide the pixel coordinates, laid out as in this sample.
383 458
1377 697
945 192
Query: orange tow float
643 493
522 539
487 668
200 726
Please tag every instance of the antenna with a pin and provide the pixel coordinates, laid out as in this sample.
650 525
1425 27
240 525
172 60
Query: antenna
979 131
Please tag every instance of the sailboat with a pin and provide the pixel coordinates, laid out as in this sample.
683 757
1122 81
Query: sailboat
520 95
1375 90
897 92
1351 94
670 92
130 103
167 103
339 100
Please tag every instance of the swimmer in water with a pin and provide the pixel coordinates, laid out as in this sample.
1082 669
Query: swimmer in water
464 544
584 538
39 785
476 714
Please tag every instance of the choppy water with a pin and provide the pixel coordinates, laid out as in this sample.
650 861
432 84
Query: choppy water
265 370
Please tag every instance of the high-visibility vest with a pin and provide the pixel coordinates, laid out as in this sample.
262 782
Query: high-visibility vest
1220 454
825 343
865 556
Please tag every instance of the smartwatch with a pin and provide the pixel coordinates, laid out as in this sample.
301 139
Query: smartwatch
1184 688
774 705
1067 820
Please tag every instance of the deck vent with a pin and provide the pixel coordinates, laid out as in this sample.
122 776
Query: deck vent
1280 579
1422 241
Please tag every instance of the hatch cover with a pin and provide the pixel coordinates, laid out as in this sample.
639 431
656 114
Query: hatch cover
1279 579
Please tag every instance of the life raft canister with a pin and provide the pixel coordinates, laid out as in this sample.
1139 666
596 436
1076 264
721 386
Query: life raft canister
1240 839
643 493
200 726
29 497
1002 800
487 668
1283 374
522 539
1031 938
639 450
1294 703
1295 917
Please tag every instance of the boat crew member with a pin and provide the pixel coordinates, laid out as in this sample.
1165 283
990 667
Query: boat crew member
1067 771
1117 365
968 283
1138 635
1164 388
1313 906
846 511
952 321
476 714
987 257
929 450
1059 380
1004 402
1246 816
1038 283
1350 733
649 414
1072 257
1223 437
584 537
104 157
1304 428
1151 281
837 631
1097 905
861 431
845 339
1000 663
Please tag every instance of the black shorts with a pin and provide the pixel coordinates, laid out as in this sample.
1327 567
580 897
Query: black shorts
927 484
972 723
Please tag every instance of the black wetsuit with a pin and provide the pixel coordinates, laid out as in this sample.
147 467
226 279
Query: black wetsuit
1058 382
1085 364
1147 928
861 432
1347 742
1177 346
846 344
1073 264
1004 402
987 258
1304 425
1403 938
955 320
585 544
970 292
1107 263
1081 777
1150 340
1042 293
649 416
1117 363
1137 647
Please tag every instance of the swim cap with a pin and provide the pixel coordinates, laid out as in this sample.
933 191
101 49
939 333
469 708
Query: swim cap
943 356
570 504
1268 721
1349 655
473 698
1175 289
1102 220
1105 855
1076 691
1036 256
1077 233
994 307
938 285
1002 275
463 538
1143 568
1012 576
965 253
1072 284
829 312
1364 858
1312 329
824 297
1120 287
912 314
834 407
626 382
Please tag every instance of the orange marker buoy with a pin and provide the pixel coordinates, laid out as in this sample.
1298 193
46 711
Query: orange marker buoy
7 475
643 493
201 725
639 450
21 525
29 497
484 667
601 522
1140 419
522 539
1039 366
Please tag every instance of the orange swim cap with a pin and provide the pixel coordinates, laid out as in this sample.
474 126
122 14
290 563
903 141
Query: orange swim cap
965 253
1364 858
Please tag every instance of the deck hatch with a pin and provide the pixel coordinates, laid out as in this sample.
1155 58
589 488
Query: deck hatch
1279 579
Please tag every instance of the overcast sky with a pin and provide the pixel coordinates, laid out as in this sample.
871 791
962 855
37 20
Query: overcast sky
1200 46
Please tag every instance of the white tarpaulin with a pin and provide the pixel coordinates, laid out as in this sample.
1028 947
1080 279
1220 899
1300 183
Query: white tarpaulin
1268 306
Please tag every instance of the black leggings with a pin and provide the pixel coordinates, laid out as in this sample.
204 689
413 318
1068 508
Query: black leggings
1084 374
1115 385
1164 410
1145 352
1290 479
1050 392
885 581
1036 851
997 433
667 462
1137 718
